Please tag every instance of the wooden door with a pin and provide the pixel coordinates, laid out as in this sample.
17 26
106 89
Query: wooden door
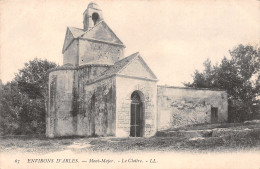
214 114
136 119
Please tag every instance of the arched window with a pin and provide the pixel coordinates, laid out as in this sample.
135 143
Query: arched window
95 18
135 97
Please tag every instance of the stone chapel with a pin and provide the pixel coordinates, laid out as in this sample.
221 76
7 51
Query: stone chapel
101 92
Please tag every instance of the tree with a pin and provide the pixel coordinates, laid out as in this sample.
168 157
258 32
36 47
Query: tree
32 79
239 76
24 100
10 107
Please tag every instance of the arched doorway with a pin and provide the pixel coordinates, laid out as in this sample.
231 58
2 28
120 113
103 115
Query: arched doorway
137 119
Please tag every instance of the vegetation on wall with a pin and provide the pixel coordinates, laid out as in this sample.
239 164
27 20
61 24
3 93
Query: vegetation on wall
23 101
239 76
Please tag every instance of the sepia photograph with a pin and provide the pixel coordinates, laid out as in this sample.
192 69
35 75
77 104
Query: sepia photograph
165 84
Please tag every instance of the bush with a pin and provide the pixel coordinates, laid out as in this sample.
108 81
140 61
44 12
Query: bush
23 100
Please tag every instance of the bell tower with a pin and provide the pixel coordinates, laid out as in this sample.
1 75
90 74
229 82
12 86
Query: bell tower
95 44
92 15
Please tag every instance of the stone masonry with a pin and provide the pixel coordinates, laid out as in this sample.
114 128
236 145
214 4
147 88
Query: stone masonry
100 92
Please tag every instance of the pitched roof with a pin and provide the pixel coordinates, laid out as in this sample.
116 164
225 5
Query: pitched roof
92 34
102 32
89 30
71 34
120 65
76 32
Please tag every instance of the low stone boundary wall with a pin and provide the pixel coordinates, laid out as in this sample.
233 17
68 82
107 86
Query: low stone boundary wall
217 132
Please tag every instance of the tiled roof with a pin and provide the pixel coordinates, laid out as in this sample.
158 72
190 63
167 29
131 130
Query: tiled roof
115 68
118 66
91 28
89 33
92 34
76 32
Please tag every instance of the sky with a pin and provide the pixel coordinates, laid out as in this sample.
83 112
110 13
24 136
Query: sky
173 37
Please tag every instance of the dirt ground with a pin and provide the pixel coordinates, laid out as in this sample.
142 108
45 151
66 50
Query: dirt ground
232 146
228 142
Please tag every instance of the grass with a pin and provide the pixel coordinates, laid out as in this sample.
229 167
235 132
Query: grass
232 142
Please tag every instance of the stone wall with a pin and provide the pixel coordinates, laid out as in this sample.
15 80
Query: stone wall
98 117
183 106
67 100
90 51
70 56
61 116
85 75
124 88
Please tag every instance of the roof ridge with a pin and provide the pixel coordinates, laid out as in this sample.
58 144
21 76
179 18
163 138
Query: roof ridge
117 65
102 22
113 32
91 28
120 65
73 29
147 67
134 54
131 58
